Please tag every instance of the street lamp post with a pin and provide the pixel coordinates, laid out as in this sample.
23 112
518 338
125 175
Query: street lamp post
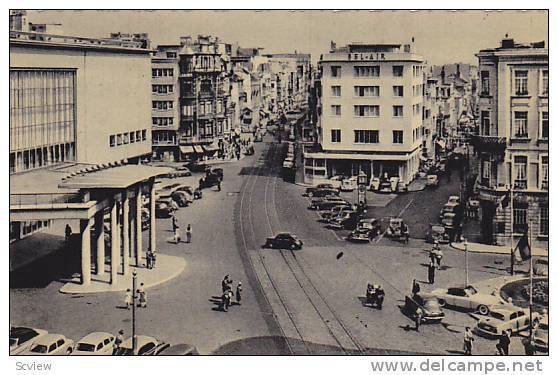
466 263
134 282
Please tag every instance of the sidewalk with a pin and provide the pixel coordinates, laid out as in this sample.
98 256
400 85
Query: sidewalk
490 249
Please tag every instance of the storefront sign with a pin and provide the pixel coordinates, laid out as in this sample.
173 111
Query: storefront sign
366 56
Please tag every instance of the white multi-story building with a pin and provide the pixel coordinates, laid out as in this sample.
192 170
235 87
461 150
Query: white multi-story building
369 113
513 141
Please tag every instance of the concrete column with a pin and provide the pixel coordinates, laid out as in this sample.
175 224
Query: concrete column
100 229
138 239
152 231
115 243
126 235
86 251
132 236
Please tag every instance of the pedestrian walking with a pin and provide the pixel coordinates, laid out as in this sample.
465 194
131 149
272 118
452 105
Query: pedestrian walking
503 344
226 300
176 236
119 338
238 293
148 263
153 259
128 299
142 296
225 284
416 287
188 233
218 185
68 232
468 341
418 318
431 272
200 183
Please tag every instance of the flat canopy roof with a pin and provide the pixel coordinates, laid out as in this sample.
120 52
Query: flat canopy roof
113 178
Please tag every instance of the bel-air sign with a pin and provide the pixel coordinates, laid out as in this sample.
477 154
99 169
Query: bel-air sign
367 56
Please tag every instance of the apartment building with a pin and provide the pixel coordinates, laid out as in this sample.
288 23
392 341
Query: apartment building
369 113
513 141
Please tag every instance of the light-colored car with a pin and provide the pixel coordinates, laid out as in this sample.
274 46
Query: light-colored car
21 338
509 318
349 184
467 297
374 184
541 335
51 344
288 164
454 199
432 180
145 345
335 181
96 343
449 220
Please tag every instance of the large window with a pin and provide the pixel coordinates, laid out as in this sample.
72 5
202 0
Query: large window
519 219
367 91
367 71
520 172
543 221
398 90
336 110
544 172
485 82
335 135
398 70
543 131
397 111
520 124
335 71
335 90
367 110
485 122
521 82
398 136
367 136
544 83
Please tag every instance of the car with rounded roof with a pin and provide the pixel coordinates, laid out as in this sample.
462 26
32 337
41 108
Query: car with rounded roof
21 338
366 230
468 298
540 335
283 240
179 349
509 318
310 190
428 304
145 345
51 344
96 343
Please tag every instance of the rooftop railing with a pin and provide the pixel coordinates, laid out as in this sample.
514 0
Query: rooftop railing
73 40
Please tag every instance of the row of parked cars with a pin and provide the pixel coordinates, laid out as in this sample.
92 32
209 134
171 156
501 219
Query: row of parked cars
34 341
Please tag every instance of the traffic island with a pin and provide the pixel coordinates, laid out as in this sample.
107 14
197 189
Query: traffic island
167 268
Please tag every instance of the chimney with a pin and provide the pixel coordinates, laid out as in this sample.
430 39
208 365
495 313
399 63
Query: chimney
443 74
332 46
508 42
458 73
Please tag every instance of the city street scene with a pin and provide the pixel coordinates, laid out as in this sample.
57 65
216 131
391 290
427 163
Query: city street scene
278 183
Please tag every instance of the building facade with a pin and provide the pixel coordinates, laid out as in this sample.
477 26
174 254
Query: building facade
369 113
512 144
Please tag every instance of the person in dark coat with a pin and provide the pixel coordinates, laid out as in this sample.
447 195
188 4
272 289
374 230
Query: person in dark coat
239 293
503 344
431 272
225 284
68 232
416 287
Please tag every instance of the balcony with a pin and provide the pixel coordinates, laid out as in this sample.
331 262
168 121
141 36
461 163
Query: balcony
156 142
520 184
489 144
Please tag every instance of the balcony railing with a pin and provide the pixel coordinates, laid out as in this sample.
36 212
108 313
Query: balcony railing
489 143
520 184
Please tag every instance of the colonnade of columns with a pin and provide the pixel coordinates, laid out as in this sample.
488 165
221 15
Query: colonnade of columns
125 235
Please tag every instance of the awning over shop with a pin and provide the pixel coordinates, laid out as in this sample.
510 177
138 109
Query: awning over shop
198 149
187 149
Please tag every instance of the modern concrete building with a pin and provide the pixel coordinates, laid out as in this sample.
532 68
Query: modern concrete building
513 141
369 113
79 118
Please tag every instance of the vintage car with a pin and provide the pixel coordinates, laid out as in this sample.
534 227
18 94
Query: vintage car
182 171
540 335
179 349
454 199
335 181
345 220
365 230
401 187
428 304
385 187
320 193
288 164
21 338
164 207
437 233
187 188
449 221
467 297
327 203
96 343
327 215
449 208
51 344
181 198
374 184
396 229
310 190
432 180
349 184
509 318
283 241
145 345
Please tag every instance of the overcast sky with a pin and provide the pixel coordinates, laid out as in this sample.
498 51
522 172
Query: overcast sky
440 36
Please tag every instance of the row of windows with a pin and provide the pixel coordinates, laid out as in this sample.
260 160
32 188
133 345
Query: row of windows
127 137
521 126
203 108
162 104
162 89
368 71
367 91
162 72
520 82
520 171
521 221
366 136
374 110
162 121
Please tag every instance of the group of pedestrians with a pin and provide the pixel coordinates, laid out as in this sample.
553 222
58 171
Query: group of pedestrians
176 231
228 294
140 295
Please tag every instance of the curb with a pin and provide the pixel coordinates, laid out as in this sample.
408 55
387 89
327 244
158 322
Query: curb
505 252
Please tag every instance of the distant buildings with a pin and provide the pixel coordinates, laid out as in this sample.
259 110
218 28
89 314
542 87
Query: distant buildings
513 141
369 113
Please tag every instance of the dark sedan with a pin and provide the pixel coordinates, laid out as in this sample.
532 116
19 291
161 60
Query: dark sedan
283 241
428 304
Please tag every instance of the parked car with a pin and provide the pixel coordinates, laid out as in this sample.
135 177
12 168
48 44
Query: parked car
310 190
401 187
349 184
454 199
288 164
366 230
467 297
181 198
181 171
326 203
326 215
437 233
541 335
51 344
428 304
283 241
345 220
509 318
179 349
145 345
21 338
320 193
449 221
385 187
164 207
432 180
335 181
96 343
396 228
374 184
449 208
